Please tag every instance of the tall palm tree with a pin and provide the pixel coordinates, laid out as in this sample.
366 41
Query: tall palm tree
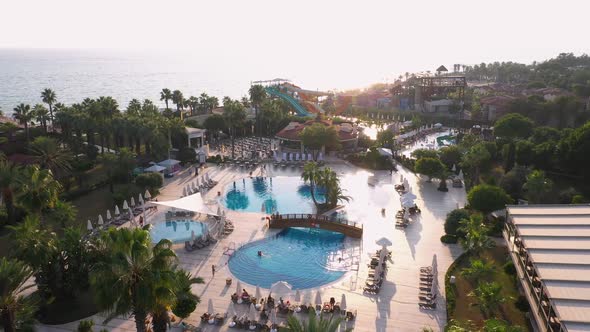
16 310
313 324
49 155
177 98
166 95
41 115
489 297
9 185
234 114
311 175
48 96
132 273
24 116
39 190
257 97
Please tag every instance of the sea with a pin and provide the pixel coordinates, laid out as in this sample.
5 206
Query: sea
78 74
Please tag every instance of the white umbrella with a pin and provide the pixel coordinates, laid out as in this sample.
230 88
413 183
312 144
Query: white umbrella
210 308
117 210
183 191
281 288
252 313
238 288
258 293
89 226
109 215
218 210
453 168
384 242
343 302
100 220
193 237
318 298
140 198
408 203
231 311
409 195
132 201
147 194
125 205
297 296
460 175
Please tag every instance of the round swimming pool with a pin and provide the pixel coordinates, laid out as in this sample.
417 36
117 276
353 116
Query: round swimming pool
305 258
265 194
176 231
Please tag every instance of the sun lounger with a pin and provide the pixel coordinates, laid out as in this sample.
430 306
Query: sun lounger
427 305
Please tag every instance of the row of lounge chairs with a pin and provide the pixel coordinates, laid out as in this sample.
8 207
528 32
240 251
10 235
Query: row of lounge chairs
375 279
199 243
426 297
213 319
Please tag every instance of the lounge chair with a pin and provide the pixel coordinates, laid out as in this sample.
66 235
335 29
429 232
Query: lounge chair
188 246
427 305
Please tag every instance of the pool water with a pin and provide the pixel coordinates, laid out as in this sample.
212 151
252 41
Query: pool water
176 231
281 194
305 258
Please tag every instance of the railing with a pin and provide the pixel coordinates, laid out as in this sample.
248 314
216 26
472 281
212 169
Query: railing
340 225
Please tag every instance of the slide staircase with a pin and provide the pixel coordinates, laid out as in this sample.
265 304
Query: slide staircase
299 109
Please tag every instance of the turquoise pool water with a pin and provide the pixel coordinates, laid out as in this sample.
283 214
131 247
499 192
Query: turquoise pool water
305 258
281 194
176 231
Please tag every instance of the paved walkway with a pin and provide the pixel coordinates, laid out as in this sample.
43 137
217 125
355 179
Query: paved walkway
393 309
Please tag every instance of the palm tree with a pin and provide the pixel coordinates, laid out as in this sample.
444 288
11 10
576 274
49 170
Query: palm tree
166 95
489 297
16 310
234 114
476 238
132 274
41 115
478 269
193 103
9 184
313 324
48 96
49 155
311 175
39 190
178 98
186 301
257 96
24 116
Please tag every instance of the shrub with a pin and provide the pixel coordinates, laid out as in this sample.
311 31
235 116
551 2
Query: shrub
149 181
452 221
509 268
522 304
578 199
85 326
187 155
487 198
448 238
183 308
215 159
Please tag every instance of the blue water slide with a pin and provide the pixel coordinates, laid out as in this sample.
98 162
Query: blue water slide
299 109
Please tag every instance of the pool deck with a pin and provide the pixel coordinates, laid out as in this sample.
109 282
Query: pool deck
393 309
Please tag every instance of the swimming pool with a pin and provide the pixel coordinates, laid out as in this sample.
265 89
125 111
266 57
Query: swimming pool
305 258
176 231
283 194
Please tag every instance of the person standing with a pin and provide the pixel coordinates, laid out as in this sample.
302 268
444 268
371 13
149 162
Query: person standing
196 170
213 270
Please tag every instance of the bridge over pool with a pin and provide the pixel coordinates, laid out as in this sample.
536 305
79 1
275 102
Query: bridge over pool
348 228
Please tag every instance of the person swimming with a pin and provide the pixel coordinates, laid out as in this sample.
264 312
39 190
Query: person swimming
259 253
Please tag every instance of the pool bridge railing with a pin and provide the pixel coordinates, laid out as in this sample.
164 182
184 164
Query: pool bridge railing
348 228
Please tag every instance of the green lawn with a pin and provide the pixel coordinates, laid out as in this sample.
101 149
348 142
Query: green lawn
464 307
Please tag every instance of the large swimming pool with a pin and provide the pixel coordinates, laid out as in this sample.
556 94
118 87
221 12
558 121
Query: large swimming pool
305 258
176 231
281 194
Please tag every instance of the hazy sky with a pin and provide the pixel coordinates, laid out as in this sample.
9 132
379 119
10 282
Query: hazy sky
341 43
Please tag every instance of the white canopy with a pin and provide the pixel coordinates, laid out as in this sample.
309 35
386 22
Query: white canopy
192 203
385 152
147 194
169 162
281 288
154 169
89 225
100 220
117 210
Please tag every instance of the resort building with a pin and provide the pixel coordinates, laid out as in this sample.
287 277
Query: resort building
550 247
290 136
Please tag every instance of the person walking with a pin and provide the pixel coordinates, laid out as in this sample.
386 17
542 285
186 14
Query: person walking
196 170
213 270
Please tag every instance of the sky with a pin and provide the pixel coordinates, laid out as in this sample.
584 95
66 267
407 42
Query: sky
341 43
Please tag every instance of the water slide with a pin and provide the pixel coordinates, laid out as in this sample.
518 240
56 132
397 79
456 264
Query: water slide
299 109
